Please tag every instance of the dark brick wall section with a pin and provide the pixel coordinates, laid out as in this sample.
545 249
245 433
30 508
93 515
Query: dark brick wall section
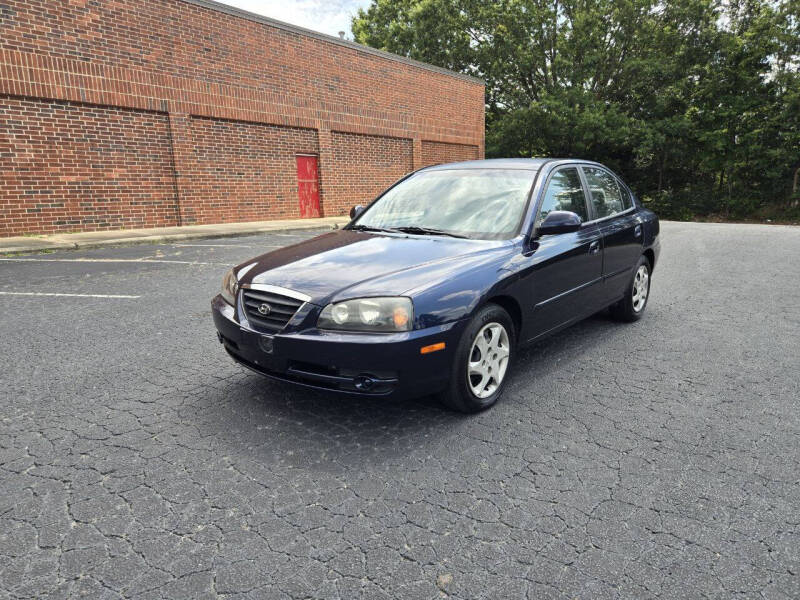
71 167
193 115
244 171
436 153
363 166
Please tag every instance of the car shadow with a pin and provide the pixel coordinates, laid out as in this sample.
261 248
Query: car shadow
328 431
547 355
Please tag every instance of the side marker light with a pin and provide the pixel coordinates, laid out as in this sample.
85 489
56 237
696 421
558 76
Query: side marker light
432 348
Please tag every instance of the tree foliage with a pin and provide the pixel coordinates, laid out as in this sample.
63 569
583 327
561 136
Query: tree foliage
696 102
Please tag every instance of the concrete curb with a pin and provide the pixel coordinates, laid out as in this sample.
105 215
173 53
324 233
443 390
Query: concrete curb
97 239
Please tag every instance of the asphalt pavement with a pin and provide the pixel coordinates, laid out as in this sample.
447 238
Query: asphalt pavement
654 459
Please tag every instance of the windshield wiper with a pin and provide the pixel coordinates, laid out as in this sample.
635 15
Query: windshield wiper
428 231
408 229
368 228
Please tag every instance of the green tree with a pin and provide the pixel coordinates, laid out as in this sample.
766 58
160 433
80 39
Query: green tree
694 101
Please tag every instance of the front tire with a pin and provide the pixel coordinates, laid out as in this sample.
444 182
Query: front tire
482 361
631 307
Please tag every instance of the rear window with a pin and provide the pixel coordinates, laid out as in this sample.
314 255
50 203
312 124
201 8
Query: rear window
627 198
607 197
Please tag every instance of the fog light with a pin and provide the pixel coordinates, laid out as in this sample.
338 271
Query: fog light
363 382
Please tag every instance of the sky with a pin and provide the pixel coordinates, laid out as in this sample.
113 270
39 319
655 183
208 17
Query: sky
326 16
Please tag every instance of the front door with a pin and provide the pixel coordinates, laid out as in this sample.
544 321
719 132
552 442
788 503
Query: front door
562 273
308 185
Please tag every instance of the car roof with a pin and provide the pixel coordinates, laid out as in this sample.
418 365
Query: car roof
530 164
527 164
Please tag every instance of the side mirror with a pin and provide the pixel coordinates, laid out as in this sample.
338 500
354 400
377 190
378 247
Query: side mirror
356 210
559 221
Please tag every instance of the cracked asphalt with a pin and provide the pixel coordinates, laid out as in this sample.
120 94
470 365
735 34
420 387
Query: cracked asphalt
656 459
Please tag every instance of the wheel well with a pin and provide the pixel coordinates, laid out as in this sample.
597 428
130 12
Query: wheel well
512 307
651 257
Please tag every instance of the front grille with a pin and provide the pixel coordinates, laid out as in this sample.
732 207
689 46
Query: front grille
281 309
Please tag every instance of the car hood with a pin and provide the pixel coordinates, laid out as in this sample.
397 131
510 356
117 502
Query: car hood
347 263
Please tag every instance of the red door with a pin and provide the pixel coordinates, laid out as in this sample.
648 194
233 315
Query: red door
308 185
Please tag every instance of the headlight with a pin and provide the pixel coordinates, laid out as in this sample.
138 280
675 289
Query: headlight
368 314
229 287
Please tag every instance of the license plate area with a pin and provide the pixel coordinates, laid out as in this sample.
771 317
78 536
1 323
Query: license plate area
261 341
260 349
266 343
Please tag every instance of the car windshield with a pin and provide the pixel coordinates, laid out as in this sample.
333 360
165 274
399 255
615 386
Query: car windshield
475 203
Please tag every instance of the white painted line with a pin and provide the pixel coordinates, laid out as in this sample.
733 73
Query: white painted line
226 246
68 295
291 235
109 260
211 246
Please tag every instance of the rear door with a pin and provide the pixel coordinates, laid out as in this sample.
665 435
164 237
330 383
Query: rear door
562 273
619 223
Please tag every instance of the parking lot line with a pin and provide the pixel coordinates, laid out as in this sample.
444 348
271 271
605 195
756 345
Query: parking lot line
69 295
218 246
256 246
111 260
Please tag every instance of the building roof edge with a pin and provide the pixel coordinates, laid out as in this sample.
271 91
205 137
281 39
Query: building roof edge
244 14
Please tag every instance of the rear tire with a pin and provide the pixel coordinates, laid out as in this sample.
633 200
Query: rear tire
481 362
631 307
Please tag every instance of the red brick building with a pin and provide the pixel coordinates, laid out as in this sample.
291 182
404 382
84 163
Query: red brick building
149 113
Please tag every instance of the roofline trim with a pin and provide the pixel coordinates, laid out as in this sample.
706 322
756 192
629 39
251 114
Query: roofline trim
249 16
455 167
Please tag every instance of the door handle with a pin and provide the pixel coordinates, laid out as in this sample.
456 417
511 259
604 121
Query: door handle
637 231
594 247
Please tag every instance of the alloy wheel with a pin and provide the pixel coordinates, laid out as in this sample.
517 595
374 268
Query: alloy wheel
488 360
641 287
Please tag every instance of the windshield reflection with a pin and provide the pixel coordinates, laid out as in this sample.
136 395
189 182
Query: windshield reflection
476 203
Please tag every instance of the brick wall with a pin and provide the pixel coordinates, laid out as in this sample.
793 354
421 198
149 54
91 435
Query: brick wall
362 167
436 153
244 171
197 113
72 167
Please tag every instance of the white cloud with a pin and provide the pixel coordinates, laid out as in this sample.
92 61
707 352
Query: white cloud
326 16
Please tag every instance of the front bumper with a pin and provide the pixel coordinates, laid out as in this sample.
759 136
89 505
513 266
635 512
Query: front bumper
352 363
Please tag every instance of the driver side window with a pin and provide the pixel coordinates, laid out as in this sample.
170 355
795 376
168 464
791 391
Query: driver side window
564 192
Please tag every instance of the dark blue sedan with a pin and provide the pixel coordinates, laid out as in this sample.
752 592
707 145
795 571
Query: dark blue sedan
433 286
